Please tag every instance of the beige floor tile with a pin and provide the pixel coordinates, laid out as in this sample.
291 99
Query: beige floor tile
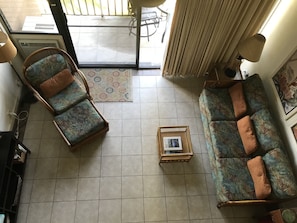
199 207
172 168
34 145
92 148
115 128
132 165
149 145
155 209
111 166
131 145
110 187
63 212
113 110
39 212
147 81
196 184
46 168
148 95
183 95
26 191
132 210
49 130
175 185
149 110
111 146
131 111
110 211
87 211
22 213
185 109
166 95
151 165
50 147
177 208
167 110
68 168
66 190
132 187
88 189
33 130
153 186
43 190
149 127
195 165
131 127
90 167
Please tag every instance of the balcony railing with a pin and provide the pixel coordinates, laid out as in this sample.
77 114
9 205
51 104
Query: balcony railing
94 7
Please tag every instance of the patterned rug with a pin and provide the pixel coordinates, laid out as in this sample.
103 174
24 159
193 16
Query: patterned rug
109 85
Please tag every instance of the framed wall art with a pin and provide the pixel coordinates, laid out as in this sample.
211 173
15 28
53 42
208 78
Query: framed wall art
294 130
285 81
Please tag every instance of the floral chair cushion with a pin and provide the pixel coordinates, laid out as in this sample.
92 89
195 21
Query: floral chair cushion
67 98
79 122
45 68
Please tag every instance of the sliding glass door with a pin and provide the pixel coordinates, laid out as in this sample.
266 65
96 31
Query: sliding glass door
95 32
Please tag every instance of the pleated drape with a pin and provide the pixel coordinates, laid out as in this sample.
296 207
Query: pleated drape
206 32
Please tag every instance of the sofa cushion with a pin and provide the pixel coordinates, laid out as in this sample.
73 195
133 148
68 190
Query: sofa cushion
280 174
254 92
217 104
258 172
238 100
233 180
226 140
247 134
267 135
57 83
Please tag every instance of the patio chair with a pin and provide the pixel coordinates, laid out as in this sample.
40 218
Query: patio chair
55 80
150 17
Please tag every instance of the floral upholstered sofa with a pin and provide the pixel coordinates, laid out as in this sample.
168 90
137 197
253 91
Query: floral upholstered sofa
242 176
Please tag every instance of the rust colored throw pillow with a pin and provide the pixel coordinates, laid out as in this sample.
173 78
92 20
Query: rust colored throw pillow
238 100
56 83
258 172
247 134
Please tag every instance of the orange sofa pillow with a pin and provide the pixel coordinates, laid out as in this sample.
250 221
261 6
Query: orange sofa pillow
57 83
258 172
238 100
247 135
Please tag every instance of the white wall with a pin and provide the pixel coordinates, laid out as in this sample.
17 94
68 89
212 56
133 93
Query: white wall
281 42
10 89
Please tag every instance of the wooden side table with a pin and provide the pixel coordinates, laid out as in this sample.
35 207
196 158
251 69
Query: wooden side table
276 216
217 78
181 149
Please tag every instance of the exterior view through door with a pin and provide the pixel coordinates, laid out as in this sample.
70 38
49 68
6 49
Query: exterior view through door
103 33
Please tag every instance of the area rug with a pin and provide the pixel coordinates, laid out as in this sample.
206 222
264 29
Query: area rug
109 85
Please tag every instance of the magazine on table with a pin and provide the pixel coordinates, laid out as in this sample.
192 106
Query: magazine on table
173 143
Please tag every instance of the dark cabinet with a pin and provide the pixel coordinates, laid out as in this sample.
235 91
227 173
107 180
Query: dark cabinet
13 156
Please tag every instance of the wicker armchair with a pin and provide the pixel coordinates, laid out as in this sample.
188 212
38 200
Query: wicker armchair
55 80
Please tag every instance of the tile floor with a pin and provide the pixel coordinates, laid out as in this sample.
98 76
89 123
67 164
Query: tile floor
117 178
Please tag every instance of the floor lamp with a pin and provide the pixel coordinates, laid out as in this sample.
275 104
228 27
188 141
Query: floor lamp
250 49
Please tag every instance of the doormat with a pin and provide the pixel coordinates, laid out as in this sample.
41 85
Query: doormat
109 85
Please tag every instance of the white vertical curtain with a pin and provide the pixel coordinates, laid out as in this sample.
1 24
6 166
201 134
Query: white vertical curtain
205 32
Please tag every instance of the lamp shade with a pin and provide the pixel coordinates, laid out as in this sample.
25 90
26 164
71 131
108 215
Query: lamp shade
251 48
7 49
